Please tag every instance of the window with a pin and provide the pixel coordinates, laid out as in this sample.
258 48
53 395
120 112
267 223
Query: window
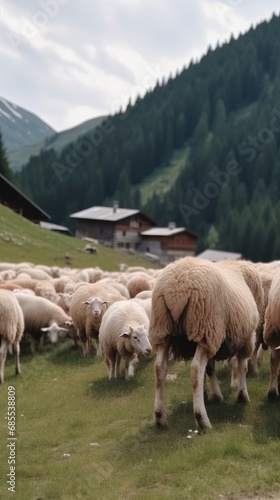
124 233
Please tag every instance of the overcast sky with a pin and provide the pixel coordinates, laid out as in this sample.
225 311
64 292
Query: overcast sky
68 61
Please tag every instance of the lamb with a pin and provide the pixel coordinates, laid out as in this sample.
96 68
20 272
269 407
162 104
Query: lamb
41 316
124 334
206 313
88 305
11 329
272 334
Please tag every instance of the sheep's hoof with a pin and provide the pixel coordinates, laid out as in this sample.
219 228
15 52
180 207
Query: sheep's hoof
272 394
243 397
217 399
202 422
160 419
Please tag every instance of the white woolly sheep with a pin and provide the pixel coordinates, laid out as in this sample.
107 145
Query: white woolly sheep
206 313
146 294
36 274
146 304
118 286
46 289
259 284
88 305
272 334
138 283
42 316
11 329
124 334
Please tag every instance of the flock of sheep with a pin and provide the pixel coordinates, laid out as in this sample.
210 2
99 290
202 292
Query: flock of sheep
191 309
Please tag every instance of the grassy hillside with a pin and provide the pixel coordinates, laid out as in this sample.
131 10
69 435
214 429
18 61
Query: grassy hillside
57 141
80 436
162 179
21 240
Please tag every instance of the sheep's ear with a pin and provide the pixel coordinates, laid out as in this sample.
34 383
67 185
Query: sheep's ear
105 302
277 348
45 329
86 302
124 334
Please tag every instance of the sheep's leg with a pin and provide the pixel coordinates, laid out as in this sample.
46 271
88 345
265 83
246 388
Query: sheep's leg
129 367
274 365
255 360
243 395
259 355
117 365
98 348
84 341
198 366
32 344
41 343
110 362
161 365
17 353
214 383
3 355
234 381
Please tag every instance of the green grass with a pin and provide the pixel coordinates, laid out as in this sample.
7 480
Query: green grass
162 179
21 156
21 240
65 404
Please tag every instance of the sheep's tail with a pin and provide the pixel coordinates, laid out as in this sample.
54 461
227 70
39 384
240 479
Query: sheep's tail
181 348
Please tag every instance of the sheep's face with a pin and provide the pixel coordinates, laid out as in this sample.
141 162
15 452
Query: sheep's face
138 337
52 331
97 306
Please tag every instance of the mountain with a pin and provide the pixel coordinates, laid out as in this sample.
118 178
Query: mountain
57 141
19 127
211 134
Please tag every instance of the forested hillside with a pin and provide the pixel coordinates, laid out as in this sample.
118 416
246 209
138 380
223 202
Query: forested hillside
225 110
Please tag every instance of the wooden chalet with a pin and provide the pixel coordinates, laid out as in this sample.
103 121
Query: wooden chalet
112 226
168 243
13 198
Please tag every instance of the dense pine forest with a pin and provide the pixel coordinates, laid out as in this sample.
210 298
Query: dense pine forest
225 111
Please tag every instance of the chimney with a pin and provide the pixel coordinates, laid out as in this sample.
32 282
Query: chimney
171 225
115 205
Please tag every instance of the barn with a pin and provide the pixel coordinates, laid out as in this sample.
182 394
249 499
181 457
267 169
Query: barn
13 198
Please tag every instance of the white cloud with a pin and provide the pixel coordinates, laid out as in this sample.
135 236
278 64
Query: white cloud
68 61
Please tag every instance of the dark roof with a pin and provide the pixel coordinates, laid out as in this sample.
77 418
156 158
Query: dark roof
108 214
13 198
